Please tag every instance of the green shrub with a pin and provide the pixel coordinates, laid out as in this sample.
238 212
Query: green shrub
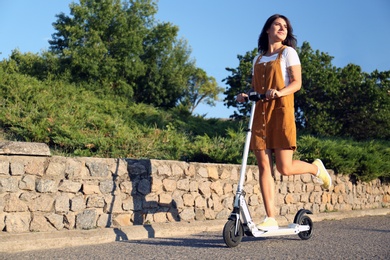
366 160
75 121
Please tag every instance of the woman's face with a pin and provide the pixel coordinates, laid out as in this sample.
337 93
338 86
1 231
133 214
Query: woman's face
277 31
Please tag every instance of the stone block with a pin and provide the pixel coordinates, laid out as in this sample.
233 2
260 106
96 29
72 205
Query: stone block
40 224
56 167
202 171
4 166
13 204
177 170
188 200
43 202
253 200
190 171
156 186
200 202
122 220
86 219
46 186
104 220
289 199
27 183
200 214
8 184
127 186
95 201
75 169
17 167
164 170
17 222
183 184
97 169
194 186
216 187
187 214
165 199
228 189
144 186
306 178
62 203
36 166
55 220
138 202
204 188
113 204
160 217
2 220
223 214
24 148
169 185
213 173
89 189
70 220
107 186
118 167
69 186
77 204
225 174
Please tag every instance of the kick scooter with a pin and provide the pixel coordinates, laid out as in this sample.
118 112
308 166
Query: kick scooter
240 221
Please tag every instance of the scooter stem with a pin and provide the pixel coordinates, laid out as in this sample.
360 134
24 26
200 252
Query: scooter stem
246 150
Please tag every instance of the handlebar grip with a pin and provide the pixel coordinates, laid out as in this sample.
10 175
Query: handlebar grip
254 96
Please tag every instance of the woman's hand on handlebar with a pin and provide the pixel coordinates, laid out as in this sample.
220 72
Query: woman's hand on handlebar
242 97
273 93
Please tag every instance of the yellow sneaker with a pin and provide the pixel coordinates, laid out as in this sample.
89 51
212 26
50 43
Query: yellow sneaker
268 224
323 174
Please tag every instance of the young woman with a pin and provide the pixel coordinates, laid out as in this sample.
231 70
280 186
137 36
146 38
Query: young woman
277 74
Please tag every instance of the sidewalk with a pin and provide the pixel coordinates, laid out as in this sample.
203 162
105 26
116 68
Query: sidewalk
49 240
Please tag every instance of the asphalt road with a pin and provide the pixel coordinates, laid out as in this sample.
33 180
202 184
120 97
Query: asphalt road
353 238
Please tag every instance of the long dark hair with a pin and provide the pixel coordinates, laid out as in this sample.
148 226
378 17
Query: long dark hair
290 40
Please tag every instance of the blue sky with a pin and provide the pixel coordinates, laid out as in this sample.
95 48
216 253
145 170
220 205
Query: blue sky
352 31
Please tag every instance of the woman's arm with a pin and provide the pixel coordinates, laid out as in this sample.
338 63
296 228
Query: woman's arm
295 75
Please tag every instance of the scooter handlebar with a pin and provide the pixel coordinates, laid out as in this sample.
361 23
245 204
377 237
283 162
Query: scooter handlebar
254 96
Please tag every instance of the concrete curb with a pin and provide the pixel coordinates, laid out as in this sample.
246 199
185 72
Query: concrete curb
49 240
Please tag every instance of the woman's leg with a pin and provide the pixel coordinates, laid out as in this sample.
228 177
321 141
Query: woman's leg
267 185
287 166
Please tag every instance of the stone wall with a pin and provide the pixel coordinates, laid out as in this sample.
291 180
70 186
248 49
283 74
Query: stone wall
48 193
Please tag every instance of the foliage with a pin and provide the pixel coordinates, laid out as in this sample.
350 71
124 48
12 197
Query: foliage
342 102
332 101
366 160
117 84
239 81
78 122
120 46
201 89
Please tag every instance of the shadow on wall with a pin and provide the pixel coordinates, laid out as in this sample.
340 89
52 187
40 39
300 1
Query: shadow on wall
144 205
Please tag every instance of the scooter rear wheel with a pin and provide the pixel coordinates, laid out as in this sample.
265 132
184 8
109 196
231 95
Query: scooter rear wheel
305 220
231 238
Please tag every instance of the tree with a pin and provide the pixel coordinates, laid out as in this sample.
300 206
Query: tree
332 101
167 68
117 46
201 88
101 42
315 101
239 81
363 106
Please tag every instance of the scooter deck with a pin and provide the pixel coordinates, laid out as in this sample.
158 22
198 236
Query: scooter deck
292 229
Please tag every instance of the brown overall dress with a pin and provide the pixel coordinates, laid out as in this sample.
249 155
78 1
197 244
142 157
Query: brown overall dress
274 120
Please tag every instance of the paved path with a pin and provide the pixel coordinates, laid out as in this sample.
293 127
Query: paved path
351 238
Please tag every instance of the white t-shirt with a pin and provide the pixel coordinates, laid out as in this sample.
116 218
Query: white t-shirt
289 58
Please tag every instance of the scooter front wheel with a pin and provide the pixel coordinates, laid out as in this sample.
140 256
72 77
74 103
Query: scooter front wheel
230 236
305 220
